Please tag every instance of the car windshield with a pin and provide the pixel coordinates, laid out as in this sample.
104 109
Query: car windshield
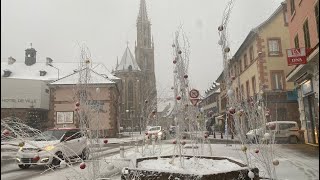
155 128
50 135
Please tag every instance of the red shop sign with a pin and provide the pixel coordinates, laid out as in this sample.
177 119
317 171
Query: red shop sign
296 56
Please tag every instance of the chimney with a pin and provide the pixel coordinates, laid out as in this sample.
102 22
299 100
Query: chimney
11 60
30 57
6 73
48 61
43 73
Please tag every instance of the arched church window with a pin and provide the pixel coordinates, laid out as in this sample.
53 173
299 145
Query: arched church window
130 94
145 42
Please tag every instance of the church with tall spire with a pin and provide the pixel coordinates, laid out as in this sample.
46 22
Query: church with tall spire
139 93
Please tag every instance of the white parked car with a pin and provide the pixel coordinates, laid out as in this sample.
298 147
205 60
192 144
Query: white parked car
63 143
157 131
282 130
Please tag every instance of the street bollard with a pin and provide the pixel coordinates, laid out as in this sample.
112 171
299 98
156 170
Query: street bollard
221 135
121 150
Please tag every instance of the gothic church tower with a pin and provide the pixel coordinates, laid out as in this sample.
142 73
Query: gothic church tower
138 77
144 51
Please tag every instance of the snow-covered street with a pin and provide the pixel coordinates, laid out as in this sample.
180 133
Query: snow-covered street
300 160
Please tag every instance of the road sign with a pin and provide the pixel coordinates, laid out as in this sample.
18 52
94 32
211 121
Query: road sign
194 101
194 93
296 56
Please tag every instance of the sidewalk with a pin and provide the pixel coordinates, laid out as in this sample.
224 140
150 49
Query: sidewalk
218 139
126 138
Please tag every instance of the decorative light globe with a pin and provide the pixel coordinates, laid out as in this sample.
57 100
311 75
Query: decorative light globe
232 110
244 148
250 174
266 136
82 165
230 92
275 162
6 132
63 164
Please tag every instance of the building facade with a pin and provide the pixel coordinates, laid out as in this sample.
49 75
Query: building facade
222 105
303 26
99 102
210 103
139 93
25 93
260 66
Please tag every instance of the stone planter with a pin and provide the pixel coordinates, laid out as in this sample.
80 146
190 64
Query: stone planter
149 174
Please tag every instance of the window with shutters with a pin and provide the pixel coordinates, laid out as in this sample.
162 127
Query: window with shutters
296 41
251 54
248 89
245 60
277 80
306 34
292 7
253 85
241 92
274 47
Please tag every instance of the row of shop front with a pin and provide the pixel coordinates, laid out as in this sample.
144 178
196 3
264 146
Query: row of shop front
306 79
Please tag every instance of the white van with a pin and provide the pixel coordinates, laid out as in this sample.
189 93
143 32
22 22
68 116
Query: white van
283 130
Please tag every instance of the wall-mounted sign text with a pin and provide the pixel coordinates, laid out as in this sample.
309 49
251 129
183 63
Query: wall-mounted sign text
296 56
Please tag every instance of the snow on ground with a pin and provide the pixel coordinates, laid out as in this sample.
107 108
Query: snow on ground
293 165
191 166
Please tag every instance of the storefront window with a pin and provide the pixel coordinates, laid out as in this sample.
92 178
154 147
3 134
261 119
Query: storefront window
312 123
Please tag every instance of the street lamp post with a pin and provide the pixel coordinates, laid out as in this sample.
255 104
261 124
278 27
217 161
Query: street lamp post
127 111
132 118
140 118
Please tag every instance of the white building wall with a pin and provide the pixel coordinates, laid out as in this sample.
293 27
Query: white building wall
24 93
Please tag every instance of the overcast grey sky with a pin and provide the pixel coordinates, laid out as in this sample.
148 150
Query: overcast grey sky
55 26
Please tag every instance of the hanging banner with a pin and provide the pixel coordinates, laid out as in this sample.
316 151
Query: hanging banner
296 56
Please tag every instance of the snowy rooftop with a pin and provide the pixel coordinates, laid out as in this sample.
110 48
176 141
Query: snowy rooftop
128 62
19 70
165 106
74 78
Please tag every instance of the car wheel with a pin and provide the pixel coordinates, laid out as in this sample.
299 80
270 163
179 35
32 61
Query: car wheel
293 140
24 166
55 161
85 154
